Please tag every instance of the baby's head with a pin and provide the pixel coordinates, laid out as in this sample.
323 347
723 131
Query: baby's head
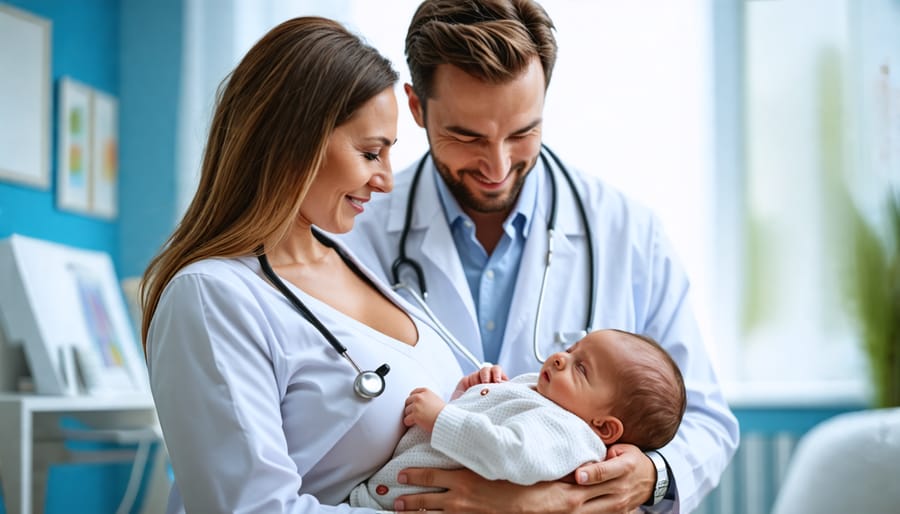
624 385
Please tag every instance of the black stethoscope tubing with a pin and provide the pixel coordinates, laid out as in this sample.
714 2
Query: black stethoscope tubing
368 384
404 260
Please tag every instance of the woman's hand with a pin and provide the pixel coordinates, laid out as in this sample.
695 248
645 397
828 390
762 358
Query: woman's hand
619 484
485 375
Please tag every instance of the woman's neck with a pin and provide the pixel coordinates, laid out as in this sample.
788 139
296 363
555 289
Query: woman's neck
299 247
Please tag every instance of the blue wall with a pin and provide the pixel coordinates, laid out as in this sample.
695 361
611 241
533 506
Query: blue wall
130 49
151 39
85 39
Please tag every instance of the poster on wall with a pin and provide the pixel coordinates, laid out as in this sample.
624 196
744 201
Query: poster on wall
74 153
24 98
105 151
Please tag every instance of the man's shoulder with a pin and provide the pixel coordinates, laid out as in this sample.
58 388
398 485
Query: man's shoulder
600 195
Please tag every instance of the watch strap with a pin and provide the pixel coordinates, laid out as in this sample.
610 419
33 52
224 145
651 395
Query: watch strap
662 478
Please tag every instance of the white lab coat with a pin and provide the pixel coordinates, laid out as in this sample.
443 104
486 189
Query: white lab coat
641 287
258 410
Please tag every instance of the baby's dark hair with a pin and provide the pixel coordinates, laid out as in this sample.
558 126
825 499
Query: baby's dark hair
652 397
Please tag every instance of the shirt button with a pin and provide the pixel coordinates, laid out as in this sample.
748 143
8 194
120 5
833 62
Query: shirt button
489 325
489 274
381 490
485 391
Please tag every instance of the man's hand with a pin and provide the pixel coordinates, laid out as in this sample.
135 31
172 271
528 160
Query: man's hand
618 485
422 409
485 375
468 493
628 475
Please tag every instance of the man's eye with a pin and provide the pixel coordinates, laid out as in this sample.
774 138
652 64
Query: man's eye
370 156
582 369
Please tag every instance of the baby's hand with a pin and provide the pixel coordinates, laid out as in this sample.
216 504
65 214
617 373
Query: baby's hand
422 408
485 375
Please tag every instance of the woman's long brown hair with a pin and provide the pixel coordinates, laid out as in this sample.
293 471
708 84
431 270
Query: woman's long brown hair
273 118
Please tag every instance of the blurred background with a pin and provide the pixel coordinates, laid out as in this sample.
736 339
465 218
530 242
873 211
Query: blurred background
765 134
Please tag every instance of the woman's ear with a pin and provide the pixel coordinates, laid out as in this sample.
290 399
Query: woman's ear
609 428
415 104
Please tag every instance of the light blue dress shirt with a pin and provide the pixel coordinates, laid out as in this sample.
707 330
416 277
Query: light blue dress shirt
491 278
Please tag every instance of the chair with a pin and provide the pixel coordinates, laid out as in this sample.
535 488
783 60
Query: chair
848 463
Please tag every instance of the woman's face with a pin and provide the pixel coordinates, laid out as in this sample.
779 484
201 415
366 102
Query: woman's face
356 164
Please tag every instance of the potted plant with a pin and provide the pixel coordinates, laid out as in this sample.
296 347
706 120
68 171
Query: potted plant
875 291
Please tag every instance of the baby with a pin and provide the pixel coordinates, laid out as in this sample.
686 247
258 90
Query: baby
610 387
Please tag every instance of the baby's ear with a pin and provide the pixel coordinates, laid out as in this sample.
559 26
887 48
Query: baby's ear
609 428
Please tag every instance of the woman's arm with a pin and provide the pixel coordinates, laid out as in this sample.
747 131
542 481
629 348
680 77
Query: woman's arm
219 403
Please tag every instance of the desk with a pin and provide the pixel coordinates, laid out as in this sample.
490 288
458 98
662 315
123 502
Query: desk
27 419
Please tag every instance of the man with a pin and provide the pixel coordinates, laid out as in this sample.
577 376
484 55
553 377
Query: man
477 227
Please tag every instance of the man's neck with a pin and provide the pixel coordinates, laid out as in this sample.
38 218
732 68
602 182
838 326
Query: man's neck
488 228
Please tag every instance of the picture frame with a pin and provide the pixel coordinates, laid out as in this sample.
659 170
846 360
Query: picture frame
74 147
65 307
25 97
104 176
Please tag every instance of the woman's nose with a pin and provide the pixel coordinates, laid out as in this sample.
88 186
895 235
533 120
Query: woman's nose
383 181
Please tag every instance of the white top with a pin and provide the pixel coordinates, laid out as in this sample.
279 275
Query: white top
640 287
505 431
258 410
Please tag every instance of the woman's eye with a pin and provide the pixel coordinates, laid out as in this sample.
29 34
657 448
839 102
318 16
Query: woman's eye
371 156
581 369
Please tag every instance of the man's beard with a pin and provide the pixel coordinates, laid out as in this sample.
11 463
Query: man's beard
485 203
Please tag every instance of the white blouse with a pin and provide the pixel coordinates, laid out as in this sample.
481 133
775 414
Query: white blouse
258 410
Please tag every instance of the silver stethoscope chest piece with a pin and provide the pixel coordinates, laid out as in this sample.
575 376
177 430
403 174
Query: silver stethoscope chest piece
369 384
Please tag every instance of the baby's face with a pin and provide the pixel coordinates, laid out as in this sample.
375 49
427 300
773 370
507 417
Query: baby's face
580 379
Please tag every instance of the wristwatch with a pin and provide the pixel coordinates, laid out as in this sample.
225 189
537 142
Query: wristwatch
662 478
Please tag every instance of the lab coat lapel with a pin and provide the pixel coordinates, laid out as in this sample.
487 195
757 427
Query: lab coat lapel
448 290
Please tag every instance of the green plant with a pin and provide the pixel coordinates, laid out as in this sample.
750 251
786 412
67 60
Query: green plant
876 295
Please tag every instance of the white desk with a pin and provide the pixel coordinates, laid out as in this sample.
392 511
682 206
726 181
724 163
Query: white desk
29 418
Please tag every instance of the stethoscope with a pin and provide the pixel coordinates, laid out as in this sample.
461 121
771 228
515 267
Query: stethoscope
368 384
560 338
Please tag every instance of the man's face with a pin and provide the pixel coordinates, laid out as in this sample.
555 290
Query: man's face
484 138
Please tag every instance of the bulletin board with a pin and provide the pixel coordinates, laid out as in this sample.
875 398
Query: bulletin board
24 98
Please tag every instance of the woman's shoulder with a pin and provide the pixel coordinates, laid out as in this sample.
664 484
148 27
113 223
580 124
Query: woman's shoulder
231 275
216 266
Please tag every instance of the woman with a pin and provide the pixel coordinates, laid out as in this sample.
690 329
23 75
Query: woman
258 410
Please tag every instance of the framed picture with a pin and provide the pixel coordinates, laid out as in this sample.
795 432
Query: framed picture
24 98
104 176
74 152
65 307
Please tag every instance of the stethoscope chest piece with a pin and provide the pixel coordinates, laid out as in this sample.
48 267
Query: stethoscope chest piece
370 384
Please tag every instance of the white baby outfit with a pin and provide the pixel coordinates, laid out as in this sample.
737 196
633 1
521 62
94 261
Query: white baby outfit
506 431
